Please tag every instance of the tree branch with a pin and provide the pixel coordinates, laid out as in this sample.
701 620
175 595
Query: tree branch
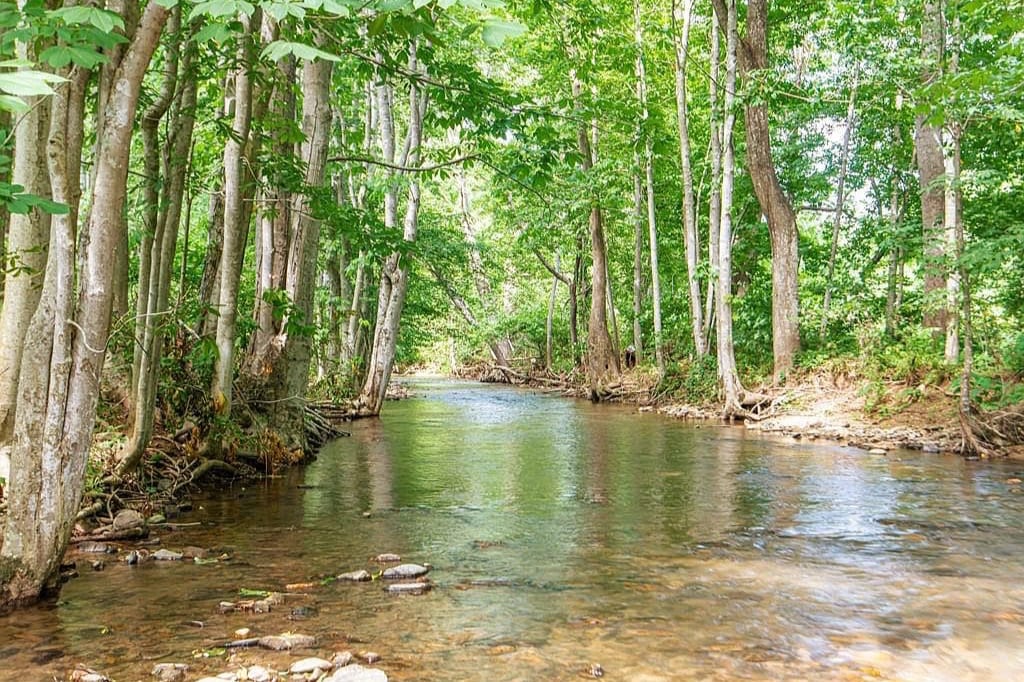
398 167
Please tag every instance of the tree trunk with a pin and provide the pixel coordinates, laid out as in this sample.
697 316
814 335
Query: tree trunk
837 220
235 219
894 260
165 201
931 174
731 388
602 363
549 322
28 238
641 90
715 199
752 56
638 261
288 413
66 341
683 15
394 282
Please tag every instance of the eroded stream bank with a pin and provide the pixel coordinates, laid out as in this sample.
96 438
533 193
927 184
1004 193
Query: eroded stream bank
564 535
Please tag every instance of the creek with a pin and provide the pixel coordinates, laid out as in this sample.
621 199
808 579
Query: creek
563 534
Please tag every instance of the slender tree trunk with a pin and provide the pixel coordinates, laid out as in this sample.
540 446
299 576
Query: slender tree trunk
394 281
894 260
931 173
731 387
209 285
951 213
602 363
682 15
715 200
641 90
164 208
66 341
235 225
638 260
549 322
837 220
28 239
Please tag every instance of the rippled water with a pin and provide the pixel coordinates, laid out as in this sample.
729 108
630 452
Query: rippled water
564 534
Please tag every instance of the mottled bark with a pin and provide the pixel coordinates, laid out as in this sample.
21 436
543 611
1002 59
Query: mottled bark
66 341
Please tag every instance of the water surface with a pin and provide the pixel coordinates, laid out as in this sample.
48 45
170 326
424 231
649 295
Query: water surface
564 534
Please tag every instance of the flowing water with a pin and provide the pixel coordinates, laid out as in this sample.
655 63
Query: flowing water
564 535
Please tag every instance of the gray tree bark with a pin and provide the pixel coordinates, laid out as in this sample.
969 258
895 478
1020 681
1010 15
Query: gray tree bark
66 341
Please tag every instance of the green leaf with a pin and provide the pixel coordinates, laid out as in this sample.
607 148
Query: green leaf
28 83
102 19
282 48
497 31
214 31
15 104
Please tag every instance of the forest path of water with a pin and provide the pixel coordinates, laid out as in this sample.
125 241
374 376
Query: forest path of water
563 535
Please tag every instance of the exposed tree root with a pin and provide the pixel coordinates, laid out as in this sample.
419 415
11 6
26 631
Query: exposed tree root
989 434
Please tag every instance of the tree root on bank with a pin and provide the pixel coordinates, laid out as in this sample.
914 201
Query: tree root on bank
990 434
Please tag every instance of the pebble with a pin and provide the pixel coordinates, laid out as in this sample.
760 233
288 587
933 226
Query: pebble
404 571
369 656
357 673
88 675
287 640
876 451
167 555
242 632
309 665
356 576
170 672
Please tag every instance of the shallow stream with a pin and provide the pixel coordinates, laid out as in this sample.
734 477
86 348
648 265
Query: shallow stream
564 535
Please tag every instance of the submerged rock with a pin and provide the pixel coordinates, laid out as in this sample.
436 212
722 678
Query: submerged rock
357 673
170 672
403 571
387 558
167 555
408 588
359 576
309 665
287 640
89 675
342 658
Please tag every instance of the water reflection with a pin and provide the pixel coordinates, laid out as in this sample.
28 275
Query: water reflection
564 534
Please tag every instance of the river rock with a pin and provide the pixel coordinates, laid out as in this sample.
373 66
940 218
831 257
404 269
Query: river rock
95 548
257 673
309 665
89 675
170 672
341 659
359 576
127 519
287 640
156 519
876 451
357 673
167 555
387 558
404 571
408 588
